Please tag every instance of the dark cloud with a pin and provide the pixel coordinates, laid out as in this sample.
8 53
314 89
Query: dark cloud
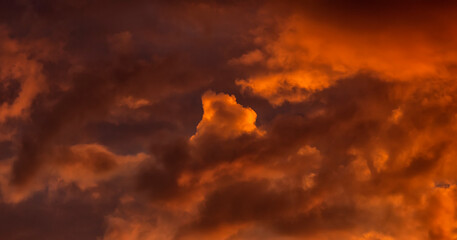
124 120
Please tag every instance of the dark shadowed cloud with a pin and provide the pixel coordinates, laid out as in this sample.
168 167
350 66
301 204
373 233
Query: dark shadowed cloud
231 120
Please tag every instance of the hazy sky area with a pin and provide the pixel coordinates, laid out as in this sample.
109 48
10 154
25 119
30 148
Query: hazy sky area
228 120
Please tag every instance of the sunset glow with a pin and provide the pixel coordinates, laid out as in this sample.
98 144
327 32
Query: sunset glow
228 120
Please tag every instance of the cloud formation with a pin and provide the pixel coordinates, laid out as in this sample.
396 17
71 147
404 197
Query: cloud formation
140 120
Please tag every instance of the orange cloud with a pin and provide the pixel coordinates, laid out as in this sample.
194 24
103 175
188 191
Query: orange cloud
85 165
224 117
18 67
343 126
309 55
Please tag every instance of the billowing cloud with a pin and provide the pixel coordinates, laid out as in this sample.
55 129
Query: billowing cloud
84 165
224 117
246 120
21 78
311 52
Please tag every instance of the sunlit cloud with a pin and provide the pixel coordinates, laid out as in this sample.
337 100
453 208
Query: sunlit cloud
140 120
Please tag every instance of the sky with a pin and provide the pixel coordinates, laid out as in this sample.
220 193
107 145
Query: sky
228 120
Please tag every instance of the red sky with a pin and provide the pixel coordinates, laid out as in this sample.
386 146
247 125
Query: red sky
228 120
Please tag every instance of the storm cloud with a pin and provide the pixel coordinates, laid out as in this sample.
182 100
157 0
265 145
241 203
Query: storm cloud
235 120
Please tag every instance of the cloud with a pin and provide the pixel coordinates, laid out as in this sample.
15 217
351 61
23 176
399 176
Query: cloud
85 165
227 120
224 117
21 77
312 52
